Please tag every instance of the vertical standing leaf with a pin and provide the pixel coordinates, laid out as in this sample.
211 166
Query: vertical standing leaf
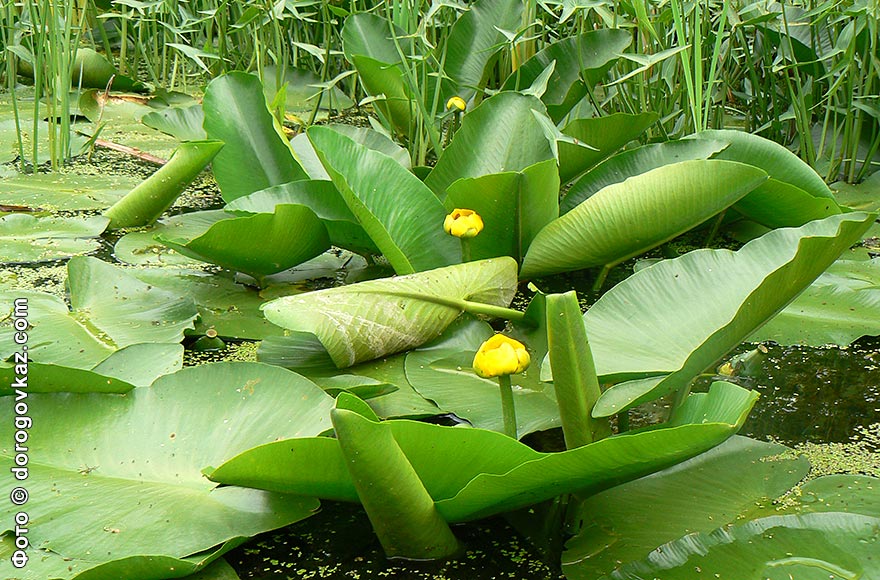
256 156
500 135
402 217
400 508
514 206
574 376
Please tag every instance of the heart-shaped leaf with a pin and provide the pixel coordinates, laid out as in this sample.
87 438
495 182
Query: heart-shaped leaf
110 309
101 456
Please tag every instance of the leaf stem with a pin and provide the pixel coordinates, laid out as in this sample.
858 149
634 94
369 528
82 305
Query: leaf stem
507 409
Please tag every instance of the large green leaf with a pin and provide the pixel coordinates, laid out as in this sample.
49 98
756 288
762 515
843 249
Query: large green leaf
256 155
575 382
136 365
626 219
370 138
777 204
732 481
401 215
579 59
604 135
372 319
120 476
676 318
472 473
110 309
473 41
25 238
514 207
90 69
182 123
442 372
500 135
842 305
779 163
322 198
635 162
368 45
258 245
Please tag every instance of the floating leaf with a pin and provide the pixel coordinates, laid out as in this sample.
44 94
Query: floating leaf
110 309
714 489
65 191
302 91
842 305
25 238
100 455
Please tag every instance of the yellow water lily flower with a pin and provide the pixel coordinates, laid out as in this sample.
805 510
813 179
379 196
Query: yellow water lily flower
463 223
456 102
500 356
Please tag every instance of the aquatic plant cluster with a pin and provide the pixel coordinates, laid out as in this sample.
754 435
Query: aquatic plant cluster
376 264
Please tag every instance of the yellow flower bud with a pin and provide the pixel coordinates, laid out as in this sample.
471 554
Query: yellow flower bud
463 223
499 356
457 103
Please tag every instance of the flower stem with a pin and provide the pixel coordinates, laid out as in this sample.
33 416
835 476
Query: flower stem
507 409
465 250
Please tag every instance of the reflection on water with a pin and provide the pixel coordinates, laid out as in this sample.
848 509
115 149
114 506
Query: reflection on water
809 394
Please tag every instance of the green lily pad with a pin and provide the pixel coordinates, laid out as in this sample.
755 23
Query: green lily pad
233 310
65 191
842 305
182 123
714 515
120 476
110 309
27 239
